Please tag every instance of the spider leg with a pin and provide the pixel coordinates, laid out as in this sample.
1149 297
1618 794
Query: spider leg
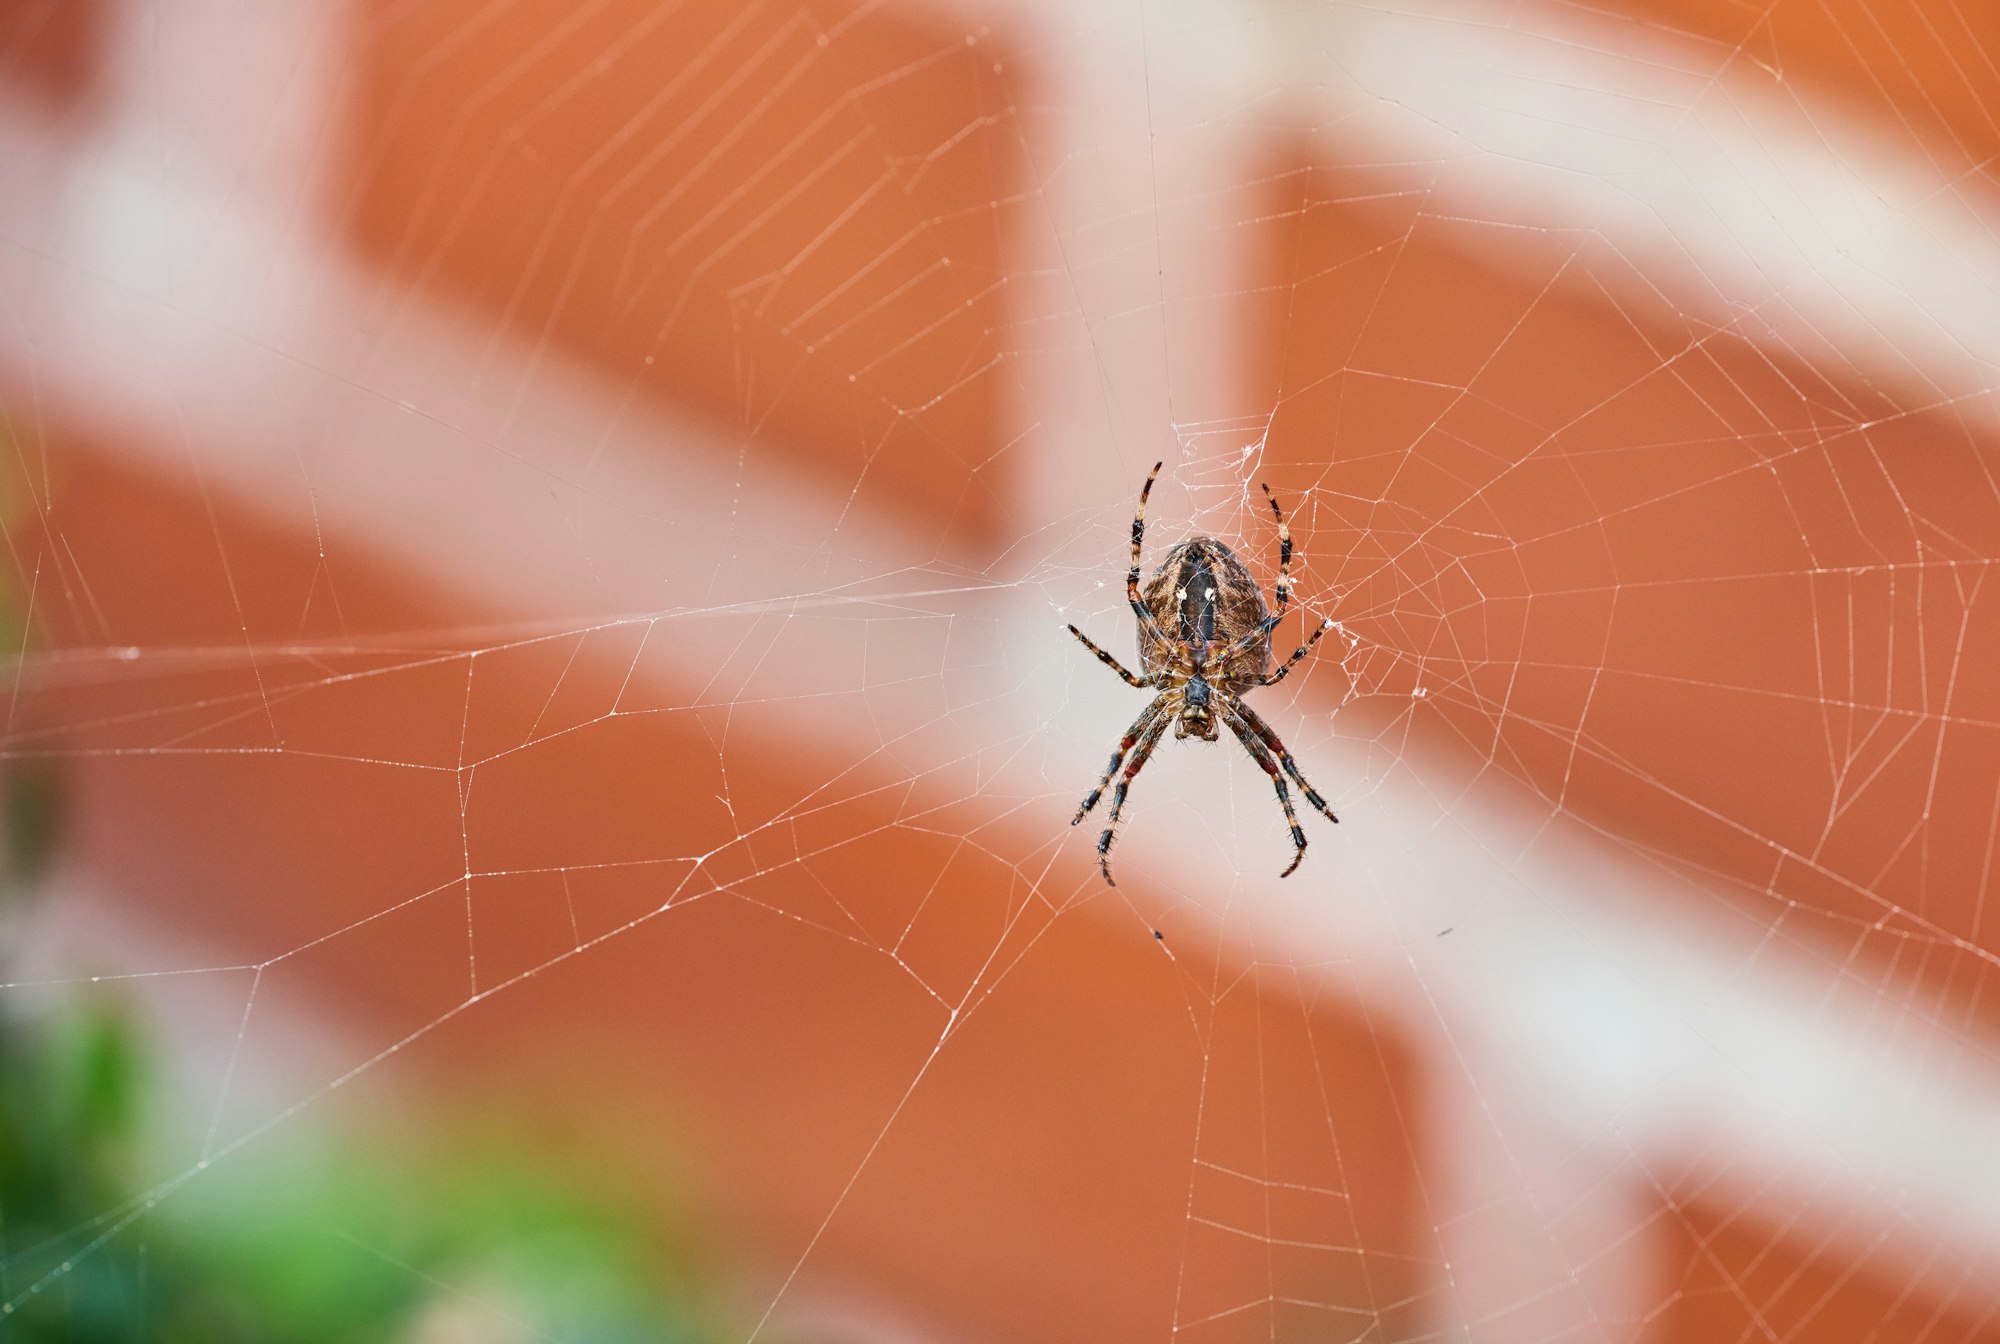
1109 661
1270 739
1140 727
1140 755
1284 551
1258 753
1146 621
1298 653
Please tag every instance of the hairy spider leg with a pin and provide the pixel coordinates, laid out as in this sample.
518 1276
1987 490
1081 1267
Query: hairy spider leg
1264 731
1284 551
1140 726
1262 756
1298 653
1110 662
1146 621
1140 755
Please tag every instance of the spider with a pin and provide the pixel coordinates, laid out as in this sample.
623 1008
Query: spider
1219 647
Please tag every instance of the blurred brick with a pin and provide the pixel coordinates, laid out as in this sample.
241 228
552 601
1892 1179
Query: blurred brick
788 215
1926 68
51 49
1737 1280
1643 569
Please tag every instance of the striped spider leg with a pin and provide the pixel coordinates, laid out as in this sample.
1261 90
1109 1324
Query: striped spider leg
1258 753
1148 738
1269 737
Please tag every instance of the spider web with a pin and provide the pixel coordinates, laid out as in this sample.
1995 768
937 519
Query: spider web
546 531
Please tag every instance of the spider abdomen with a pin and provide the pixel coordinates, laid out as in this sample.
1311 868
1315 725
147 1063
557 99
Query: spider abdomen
1203 596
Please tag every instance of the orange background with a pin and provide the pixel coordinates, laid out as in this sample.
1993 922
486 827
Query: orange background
1727 607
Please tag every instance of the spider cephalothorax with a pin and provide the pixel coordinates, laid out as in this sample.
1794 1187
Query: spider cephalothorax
1204 640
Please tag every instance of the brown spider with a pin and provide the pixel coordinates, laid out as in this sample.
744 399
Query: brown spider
1212 601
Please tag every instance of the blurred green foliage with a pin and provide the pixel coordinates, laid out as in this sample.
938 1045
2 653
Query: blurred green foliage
320 1245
